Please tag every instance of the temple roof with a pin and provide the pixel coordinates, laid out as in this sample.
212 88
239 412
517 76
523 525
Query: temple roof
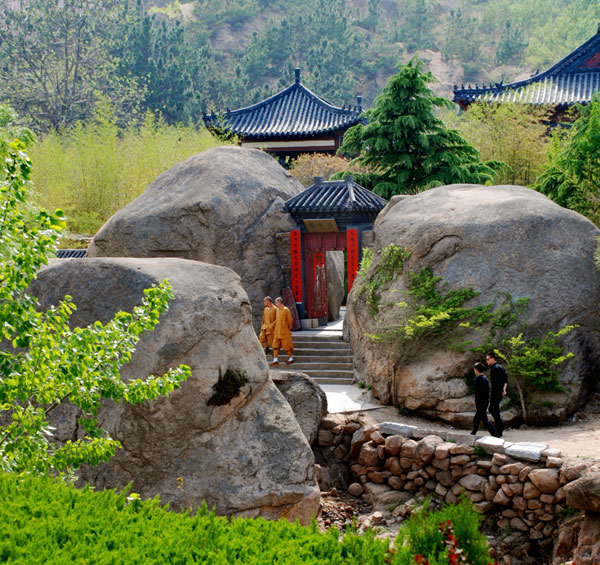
71 253
573 79
335 198
293 112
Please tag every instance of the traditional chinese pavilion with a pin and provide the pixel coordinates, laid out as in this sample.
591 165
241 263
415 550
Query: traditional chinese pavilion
290 122
331 215
574 79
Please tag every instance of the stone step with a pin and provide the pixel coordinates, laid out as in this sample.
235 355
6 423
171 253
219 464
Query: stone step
332 381
340 345
329 373
321 344
315 367
320 361
312 352
316 338
322 358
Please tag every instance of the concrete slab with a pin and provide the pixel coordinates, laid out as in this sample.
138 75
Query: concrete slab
526 450
396 428
347 398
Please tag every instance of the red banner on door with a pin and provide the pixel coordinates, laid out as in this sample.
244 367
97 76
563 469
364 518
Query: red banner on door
318 308
352 251
296 260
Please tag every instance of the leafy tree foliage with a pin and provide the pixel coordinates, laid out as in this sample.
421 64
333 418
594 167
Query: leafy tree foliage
60 58
43 362
508 132
572 178
532 363
56 59
511 45
407 145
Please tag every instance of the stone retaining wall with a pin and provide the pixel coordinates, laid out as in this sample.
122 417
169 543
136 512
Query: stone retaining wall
522 482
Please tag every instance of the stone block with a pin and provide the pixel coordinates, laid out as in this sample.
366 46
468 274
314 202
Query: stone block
426 448
442 450
395 482
442 464
527 451
524 474
501 498
551 452
554 462
472 482
377 438
546 480
490 444
484 506
395 428
530 491
356 489
420 433
584 493
393 444
461 449
458 437
408 448
518 524
500 459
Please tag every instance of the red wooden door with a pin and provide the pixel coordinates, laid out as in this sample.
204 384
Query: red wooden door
317 287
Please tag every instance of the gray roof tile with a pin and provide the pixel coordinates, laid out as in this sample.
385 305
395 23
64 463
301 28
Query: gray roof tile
293 112
573 79
337 197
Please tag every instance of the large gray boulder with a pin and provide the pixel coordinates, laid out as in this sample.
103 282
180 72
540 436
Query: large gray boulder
493 239
334 261
306 398
222 206
246 457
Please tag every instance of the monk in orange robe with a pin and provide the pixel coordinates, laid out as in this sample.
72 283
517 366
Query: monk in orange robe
267 327
283 333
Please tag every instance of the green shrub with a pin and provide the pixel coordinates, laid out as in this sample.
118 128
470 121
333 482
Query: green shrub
227 387
426 534
391 261
43 520
92 170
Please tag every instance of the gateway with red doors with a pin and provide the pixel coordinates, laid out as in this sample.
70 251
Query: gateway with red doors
331 216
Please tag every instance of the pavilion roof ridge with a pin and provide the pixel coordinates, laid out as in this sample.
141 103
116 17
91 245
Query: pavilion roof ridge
563 83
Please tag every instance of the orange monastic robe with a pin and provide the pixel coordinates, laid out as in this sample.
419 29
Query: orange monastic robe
267 327
283 330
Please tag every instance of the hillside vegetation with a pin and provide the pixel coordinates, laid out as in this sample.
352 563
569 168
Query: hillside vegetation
182 58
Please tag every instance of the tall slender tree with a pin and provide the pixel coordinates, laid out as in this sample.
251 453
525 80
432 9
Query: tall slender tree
406 146
56 59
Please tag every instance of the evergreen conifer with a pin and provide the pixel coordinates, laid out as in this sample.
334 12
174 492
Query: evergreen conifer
406 146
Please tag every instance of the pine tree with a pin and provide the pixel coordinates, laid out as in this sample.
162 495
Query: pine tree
407 146
511 46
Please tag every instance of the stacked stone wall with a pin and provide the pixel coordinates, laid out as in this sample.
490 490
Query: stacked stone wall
523 484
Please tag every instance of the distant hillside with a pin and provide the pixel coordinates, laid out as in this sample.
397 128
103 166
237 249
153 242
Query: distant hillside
179 59
348 46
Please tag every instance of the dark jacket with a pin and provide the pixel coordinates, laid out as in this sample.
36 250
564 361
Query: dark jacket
482 392
498 379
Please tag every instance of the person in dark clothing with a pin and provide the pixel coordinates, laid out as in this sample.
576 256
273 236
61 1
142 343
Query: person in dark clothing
499 384
482 399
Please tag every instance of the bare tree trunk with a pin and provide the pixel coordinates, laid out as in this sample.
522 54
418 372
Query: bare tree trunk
522 400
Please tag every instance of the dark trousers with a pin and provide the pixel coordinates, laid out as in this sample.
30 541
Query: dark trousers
481 416
495 413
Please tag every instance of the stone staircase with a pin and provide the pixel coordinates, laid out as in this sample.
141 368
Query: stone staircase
325 358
